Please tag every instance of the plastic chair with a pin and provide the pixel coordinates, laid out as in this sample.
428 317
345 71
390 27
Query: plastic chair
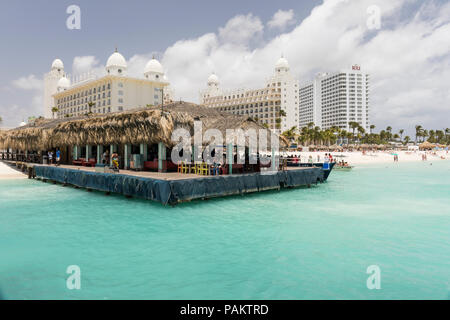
203 169
185 168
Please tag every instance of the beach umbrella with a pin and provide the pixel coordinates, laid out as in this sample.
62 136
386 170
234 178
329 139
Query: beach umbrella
426 146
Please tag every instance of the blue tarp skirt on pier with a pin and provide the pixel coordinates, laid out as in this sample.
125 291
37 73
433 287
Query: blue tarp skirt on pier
170 192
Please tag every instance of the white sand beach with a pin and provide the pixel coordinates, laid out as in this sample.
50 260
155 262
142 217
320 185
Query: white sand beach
8 173
358 158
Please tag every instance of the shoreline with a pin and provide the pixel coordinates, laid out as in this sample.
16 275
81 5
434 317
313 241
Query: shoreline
352 158
8 173
377 157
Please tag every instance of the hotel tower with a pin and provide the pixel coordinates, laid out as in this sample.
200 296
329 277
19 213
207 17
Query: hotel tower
336 99
276 105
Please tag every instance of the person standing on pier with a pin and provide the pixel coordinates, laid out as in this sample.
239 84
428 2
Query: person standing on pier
105 157
50 157
58 157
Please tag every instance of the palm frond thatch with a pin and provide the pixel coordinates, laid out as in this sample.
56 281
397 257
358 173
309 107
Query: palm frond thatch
149 125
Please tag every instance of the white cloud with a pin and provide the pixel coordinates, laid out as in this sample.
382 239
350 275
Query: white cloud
282 19
408 58
28 83
84 64
241 29
410 53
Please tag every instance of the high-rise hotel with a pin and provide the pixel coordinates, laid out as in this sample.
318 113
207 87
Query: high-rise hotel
275 105
336 99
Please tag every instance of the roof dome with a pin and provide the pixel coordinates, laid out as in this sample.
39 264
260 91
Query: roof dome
282 63
213 79
153 66
57 64
63 83
116 60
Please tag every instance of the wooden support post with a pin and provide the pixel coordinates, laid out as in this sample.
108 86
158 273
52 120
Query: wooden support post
274 162
230 158
112 148
99 154
144 151
88 153
161 156
127 154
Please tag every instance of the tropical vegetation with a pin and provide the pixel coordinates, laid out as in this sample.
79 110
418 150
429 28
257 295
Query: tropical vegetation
313 135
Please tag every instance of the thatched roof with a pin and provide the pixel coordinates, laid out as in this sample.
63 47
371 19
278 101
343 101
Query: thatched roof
427 146
149 125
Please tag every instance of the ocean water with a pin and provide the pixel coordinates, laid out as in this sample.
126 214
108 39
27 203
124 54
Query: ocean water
297 244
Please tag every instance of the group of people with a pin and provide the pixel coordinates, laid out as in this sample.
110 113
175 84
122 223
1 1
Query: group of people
58 157
328 158
343 164
114 159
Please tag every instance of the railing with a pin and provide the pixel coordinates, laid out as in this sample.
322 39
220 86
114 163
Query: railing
30 158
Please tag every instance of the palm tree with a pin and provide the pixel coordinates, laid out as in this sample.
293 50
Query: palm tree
407 140
1 120
354 126
372 127
389 131
432 136
424 135
282 113
54 110
419 130
290 134
401 132
90 105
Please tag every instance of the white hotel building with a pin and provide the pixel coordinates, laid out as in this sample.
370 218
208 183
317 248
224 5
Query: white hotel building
265 104
336 99
112 92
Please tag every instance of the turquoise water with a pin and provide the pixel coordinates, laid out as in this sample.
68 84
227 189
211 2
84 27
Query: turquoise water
299 244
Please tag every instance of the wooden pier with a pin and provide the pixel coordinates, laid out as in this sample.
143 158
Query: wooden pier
174 188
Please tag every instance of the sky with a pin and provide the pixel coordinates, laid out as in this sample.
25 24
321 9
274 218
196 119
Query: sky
407 55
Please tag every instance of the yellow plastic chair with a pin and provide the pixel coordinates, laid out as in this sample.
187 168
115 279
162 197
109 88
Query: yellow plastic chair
194 168
204 170
185 168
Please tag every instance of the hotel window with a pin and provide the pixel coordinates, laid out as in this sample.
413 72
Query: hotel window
120 93
120 100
